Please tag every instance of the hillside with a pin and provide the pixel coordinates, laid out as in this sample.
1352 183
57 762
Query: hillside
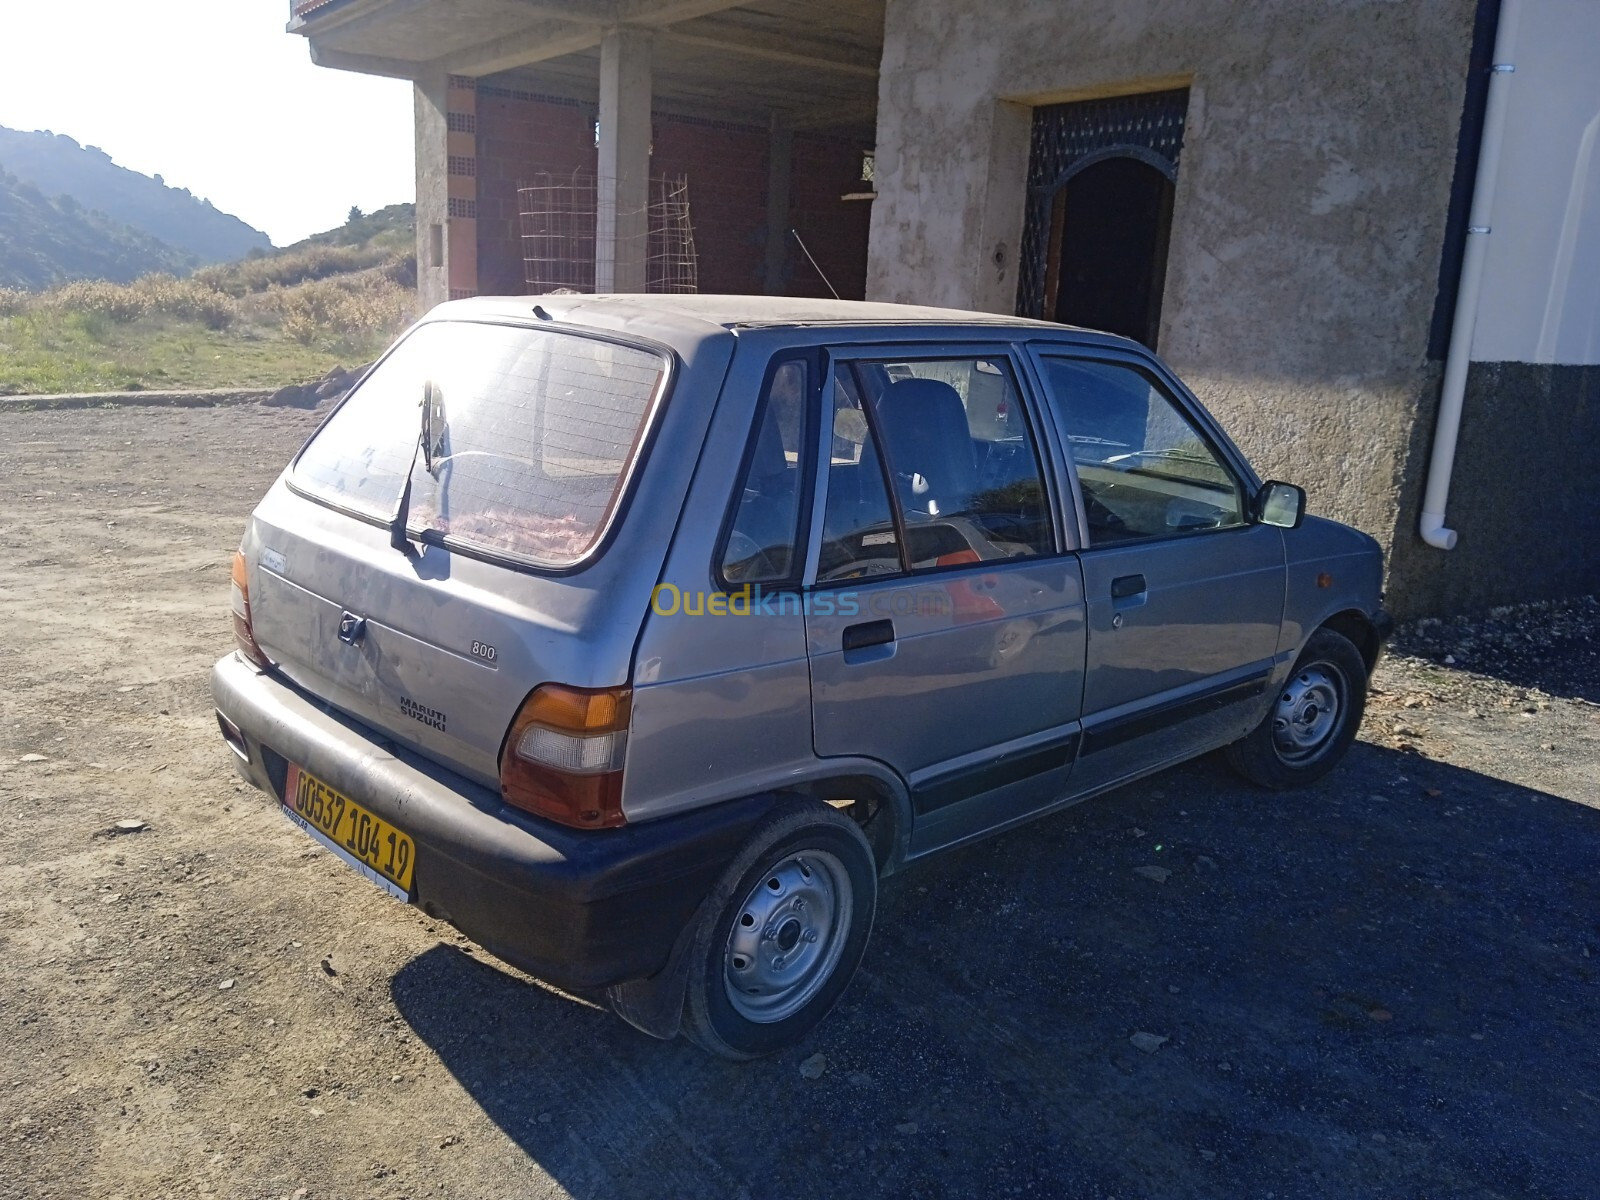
57 165
267 320
46 241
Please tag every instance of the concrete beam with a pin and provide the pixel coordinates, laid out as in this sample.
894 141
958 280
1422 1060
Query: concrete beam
657 13
589 12
815 60
622 221
856 113
553 38
535 44
339 15
365 64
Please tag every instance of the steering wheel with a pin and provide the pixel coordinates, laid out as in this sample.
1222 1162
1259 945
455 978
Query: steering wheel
750 557
1100 517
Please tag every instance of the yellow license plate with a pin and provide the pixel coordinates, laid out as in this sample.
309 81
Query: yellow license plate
362 838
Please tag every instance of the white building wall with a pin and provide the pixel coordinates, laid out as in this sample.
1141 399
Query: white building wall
1541 290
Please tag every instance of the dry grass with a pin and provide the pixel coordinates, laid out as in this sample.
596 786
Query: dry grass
162 332
271 318
188 300
287 270
348 308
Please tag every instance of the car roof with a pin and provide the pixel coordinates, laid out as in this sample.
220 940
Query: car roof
700 315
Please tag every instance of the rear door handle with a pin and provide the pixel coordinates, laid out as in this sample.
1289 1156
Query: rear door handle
869 633
1127 585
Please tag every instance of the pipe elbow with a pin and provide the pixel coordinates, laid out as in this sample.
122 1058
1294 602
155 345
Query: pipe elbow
1432 529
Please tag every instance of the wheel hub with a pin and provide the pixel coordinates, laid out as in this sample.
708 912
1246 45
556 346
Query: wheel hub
787 936
1307 713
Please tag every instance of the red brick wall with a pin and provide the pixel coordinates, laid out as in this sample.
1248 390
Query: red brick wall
835 231
727 169
520 134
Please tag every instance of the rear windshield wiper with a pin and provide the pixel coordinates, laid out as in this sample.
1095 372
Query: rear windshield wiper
423 447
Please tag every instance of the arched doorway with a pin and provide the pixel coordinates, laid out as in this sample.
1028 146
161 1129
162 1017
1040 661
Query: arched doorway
1111 221
1101 177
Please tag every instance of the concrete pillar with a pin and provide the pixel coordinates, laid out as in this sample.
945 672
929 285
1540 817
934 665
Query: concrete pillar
447 188
1005 202
780 148
433 189
622 219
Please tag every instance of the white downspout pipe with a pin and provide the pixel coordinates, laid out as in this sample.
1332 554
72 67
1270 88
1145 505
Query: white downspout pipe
1442 462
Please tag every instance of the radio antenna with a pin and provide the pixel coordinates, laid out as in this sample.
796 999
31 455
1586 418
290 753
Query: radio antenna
795 233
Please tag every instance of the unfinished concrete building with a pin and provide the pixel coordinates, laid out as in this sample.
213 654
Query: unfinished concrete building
1287 199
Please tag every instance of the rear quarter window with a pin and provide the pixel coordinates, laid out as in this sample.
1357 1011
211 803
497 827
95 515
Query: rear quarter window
532 435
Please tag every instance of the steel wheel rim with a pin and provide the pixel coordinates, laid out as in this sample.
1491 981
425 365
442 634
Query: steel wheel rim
1308 712
787 937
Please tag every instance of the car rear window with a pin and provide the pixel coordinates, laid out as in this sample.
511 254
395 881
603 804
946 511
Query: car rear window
532 435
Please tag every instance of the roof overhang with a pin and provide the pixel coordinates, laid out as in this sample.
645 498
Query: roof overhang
805 63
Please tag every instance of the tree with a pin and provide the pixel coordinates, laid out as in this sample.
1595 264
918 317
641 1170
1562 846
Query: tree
355 215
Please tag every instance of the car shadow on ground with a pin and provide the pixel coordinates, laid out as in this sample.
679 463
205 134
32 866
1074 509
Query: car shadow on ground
1386 984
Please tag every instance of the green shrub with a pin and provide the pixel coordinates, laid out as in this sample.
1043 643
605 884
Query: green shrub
13 301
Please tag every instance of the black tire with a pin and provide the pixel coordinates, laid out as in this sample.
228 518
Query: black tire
821 853
1273 755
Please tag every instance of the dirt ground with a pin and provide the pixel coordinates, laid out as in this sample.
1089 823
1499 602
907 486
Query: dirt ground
1387 985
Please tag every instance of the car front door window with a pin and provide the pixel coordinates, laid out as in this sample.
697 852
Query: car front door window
1144 469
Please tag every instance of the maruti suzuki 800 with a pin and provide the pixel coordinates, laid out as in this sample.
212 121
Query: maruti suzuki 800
640 636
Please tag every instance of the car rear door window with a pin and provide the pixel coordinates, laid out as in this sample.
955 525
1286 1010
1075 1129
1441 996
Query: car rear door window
530 436
859 538
1144 468
760 546
961 457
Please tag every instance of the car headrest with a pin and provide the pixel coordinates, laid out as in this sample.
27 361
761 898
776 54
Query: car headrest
926 427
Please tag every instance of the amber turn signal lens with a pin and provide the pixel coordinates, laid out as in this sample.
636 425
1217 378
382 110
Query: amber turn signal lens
243 633
563 755
578 710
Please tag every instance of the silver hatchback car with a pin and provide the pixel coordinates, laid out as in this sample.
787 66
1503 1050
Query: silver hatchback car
640 636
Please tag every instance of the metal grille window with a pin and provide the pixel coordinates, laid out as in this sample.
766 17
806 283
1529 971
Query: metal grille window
1068 137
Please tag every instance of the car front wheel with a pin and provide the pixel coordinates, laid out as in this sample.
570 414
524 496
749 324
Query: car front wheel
782 935
1313 719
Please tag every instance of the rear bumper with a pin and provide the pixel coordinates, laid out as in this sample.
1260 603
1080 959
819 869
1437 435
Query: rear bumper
580 909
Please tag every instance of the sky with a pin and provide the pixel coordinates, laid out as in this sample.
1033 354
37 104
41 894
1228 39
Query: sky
215 97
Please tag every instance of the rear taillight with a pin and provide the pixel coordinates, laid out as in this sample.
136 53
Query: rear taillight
242 632
563 757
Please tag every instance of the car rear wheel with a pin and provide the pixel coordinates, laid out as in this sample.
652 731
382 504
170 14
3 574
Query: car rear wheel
782 934
1313 718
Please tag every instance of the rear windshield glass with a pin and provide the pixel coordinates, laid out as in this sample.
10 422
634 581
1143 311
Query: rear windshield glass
529 437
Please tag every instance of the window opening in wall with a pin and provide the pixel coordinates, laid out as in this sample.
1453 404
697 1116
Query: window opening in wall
1101 180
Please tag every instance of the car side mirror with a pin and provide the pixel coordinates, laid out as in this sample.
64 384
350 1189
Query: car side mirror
1280 504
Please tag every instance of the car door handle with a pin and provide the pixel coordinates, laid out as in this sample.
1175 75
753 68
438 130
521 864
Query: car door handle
1127 585
869 633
